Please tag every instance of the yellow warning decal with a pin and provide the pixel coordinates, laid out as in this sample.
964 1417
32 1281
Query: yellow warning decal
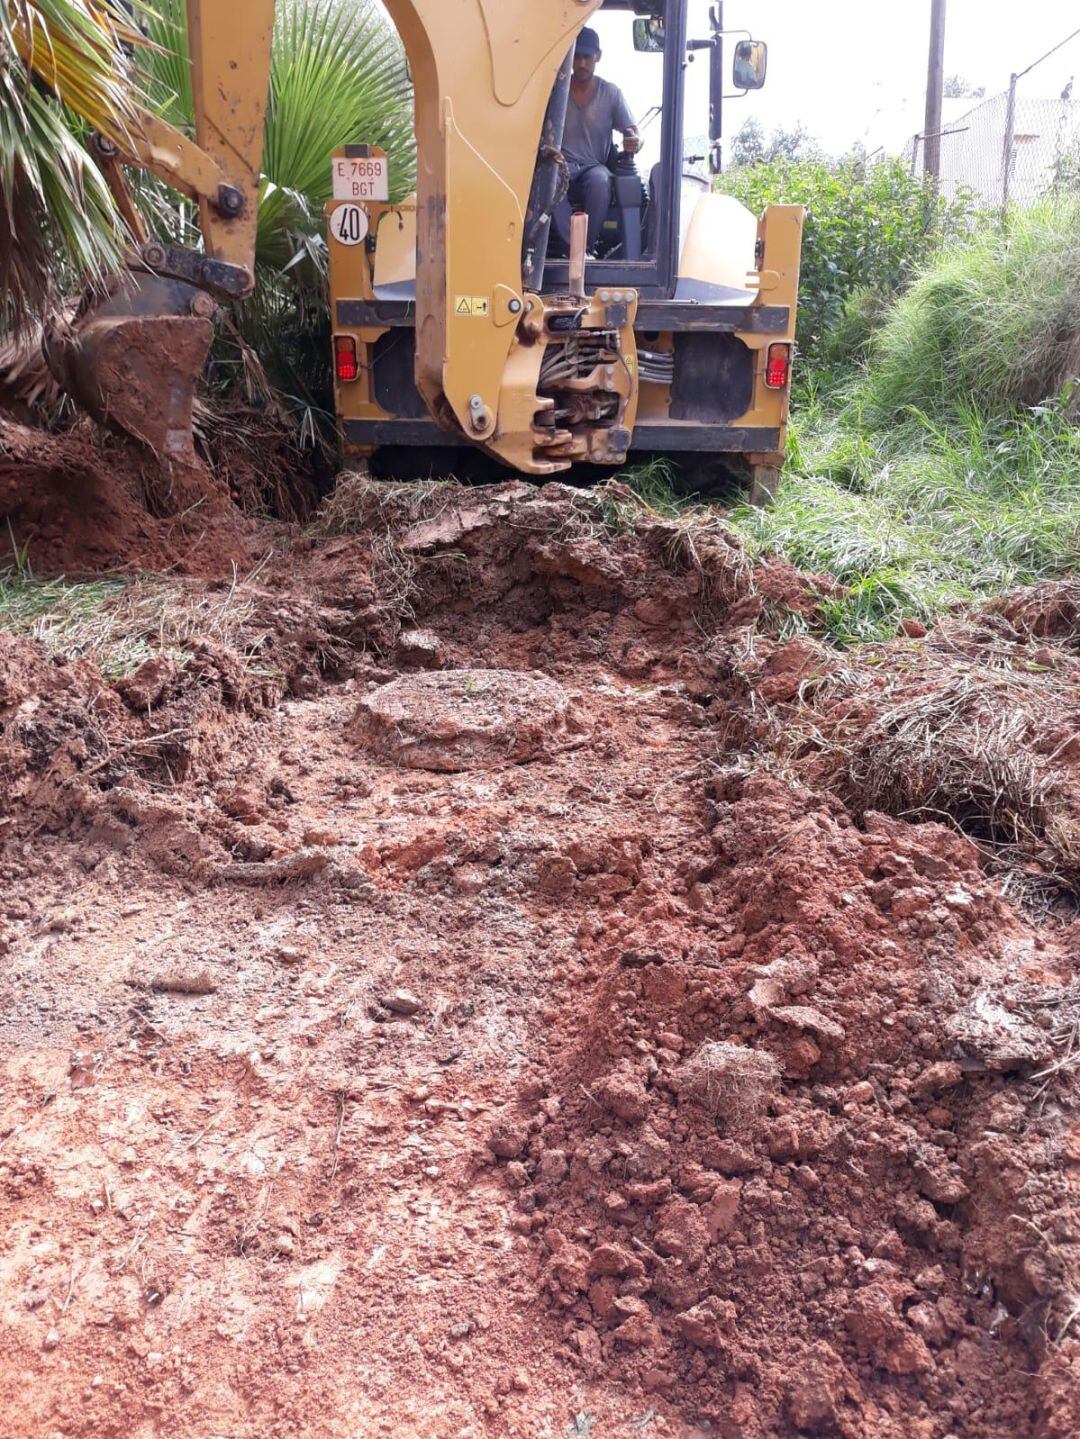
471 305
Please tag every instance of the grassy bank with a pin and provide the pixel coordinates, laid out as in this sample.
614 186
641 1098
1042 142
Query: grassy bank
119 622
947 466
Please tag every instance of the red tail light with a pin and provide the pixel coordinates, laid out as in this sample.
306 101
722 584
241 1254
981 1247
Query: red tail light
345 357
778 366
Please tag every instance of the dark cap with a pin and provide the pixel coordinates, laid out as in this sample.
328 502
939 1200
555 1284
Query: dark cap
588 43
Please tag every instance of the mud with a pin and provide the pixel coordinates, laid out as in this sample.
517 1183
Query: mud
623 1074
81 501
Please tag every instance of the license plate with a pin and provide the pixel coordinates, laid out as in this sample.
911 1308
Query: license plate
361 179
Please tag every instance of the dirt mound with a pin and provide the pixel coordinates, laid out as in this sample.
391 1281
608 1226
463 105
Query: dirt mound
798 1101
464 719
81 502
655 1084
974 723
1047 611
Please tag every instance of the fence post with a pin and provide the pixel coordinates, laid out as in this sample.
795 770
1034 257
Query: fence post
1009 147
915 156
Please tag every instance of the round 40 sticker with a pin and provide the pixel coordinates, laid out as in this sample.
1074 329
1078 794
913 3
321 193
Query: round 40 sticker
349 224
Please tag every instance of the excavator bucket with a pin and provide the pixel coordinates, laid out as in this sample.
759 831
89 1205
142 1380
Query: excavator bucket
133 358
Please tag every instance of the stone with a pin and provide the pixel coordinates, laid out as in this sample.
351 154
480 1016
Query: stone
705 1325
507 1138
940 1184
148 685
184 981
880 1331
552 1167
587 1343
625 1095
722 1209
728 1156
471 719
613 1259
804 1016
946 1074
420 648
681 1232
815 1394
401 1001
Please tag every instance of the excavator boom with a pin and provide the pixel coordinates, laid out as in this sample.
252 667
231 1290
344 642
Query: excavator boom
133 357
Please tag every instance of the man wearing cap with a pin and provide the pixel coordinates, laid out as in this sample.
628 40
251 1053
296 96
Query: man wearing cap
596 110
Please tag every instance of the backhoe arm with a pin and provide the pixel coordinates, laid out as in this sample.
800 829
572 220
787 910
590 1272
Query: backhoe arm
483 71
134 359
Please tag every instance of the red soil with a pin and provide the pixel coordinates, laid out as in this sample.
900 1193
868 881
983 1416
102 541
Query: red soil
628 1085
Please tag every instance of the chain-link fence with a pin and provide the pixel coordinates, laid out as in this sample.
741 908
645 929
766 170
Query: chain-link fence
1015 148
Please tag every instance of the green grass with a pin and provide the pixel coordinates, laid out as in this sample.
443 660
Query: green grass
948 467
992 324
925 515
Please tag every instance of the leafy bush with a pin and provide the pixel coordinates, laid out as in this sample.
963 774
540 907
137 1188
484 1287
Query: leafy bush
850 338
995 324
868 229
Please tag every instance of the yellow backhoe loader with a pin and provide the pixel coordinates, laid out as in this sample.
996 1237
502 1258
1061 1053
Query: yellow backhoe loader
471 314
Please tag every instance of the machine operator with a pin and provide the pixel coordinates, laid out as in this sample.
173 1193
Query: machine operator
596 110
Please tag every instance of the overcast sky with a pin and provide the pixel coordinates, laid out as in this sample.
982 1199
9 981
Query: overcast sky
856 69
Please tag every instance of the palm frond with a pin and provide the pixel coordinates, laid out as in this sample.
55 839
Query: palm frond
337 76
61 63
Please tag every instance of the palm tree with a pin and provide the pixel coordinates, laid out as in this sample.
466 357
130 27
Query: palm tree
58 59
337 75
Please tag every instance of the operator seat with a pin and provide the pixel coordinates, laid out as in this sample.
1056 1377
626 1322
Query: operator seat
622 232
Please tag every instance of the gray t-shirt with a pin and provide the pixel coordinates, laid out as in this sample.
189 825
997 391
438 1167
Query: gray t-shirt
589 128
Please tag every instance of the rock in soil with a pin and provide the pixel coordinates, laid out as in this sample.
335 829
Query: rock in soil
464 719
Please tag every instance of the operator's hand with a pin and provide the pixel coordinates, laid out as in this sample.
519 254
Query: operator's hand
631 142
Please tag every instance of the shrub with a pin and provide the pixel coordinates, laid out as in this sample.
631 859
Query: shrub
868 229
994 324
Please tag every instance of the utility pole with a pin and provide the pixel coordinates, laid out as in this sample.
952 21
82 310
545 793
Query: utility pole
935 85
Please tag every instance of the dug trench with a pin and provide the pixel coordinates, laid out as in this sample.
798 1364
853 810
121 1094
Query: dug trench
465 994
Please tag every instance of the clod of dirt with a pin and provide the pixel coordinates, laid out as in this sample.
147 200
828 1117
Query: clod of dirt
184 981
465 719
507 1138
624 1095
420 649
731 1081
150 683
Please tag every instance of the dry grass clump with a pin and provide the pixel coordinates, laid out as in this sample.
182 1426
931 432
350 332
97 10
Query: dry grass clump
732 1082
688 534
119 623
987 750
358 504
1046 611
